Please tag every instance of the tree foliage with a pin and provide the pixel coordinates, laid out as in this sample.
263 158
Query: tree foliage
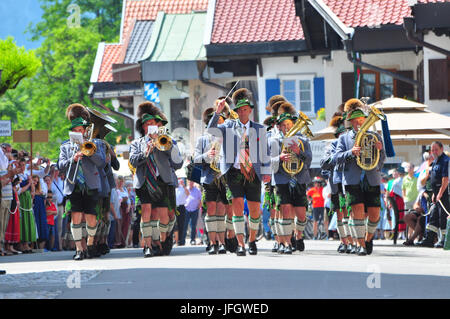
67 55
16 64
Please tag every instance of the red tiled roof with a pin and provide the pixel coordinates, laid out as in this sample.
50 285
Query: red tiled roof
142 10
244 21
111 55
432 1
366 13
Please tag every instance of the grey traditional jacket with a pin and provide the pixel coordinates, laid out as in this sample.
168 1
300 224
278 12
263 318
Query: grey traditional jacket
279 174
91 165
231 132
202 146
352 172
163 161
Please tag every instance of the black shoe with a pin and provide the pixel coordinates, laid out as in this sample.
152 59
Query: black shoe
408 243
156 250
79 255
107 250
231 244
167 246
213 250
281 249
342 248
349 249
369 247
102 249
252 249
275 247
2 272
441 243
428 241
240 251
288 250
92 252
222 250
354 249
147 252
300 244
361 251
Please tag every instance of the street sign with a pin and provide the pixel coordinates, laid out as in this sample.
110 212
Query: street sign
5 128
27 136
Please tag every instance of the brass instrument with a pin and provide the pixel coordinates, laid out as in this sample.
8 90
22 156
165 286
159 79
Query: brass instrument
369 155
163 141
215 161
294 165
88 148
132 168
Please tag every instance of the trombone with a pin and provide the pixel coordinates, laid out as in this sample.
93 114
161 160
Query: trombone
88 148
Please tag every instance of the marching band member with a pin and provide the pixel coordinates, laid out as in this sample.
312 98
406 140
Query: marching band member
362 187
152 176
270 197
290 189
85 185
334 175
244 162
206 152
168 215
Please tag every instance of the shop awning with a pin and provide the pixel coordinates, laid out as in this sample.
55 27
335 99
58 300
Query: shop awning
175 47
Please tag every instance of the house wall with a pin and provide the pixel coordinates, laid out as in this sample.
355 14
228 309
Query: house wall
438 106
339 63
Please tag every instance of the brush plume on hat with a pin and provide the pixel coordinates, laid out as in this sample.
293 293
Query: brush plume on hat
76 110
274 99
275 107
286 107
241 94
207 114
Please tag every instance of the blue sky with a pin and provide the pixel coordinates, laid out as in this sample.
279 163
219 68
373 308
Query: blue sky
15 16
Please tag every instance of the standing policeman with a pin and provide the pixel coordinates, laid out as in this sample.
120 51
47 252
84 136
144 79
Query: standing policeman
439 183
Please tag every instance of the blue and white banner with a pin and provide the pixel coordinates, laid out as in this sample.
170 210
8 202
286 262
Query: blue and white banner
151 92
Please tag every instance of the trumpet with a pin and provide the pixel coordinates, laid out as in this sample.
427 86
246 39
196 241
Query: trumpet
163 141
88 148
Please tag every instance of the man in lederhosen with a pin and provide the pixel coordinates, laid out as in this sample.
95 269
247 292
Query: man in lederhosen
152 176
362 187
270 199
334 174
245 162
207 150
82 186
290 189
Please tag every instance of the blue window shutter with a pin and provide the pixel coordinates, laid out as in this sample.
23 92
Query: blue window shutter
272 88
319 93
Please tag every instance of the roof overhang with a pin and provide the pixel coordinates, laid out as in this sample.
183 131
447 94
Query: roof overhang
109 90
256 49
432 15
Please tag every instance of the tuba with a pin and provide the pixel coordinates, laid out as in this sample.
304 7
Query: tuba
369 155
294 165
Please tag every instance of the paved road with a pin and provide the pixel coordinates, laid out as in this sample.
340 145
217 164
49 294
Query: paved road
318 272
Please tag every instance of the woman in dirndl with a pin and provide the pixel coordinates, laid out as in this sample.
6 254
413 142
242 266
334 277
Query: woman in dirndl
27 222
40 211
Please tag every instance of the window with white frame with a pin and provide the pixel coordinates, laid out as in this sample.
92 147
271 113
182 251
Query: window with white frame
298 90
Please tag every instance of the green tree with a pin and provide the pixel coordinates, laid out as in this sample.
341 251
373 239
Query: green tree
16 64
67 56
